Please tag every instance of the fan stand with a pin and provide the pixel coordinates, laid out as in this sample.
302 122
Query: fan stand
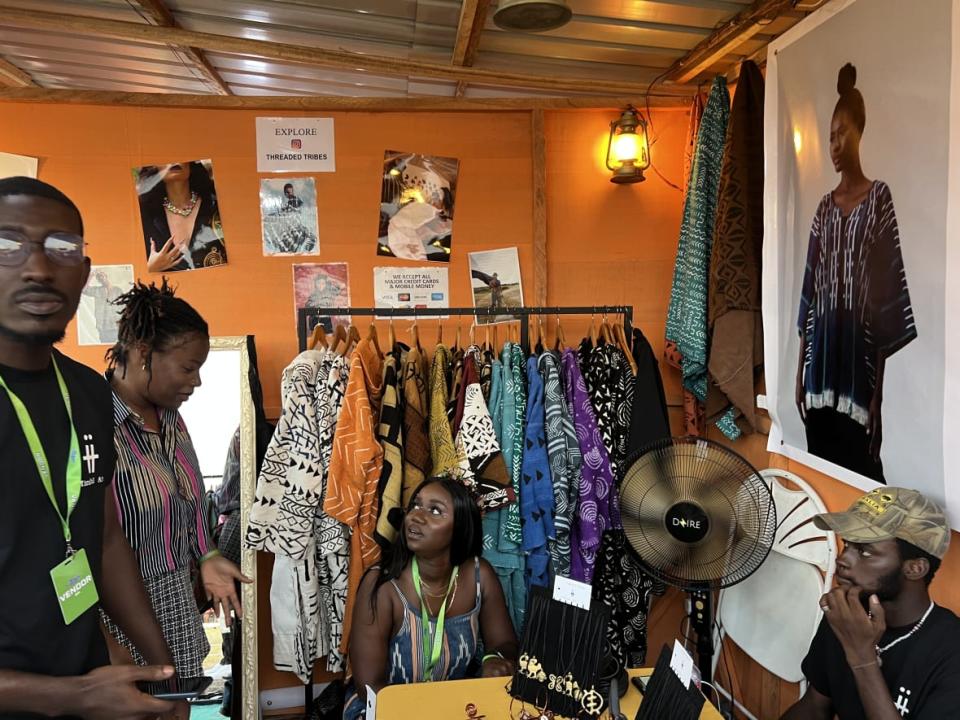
701 621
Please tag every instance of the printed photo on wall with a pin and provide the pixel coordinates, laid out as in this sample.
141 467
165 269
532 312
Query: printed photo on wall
288 217
97 316
180 216
416 206
495 281
320 285
855 296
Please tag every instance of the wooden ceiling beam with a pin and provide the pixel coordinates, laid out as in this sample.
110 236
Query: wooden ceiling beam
350 61
335 103
10 74
726 38
161 14
473 16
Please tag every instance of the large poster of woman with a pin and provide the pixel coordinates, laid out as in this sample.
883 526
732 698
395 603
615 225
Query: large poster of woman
856 212
180 216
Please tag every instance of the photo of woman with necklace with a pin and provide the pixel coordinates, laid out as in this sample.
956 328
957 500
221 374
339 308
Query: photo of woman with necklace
180 216
420 616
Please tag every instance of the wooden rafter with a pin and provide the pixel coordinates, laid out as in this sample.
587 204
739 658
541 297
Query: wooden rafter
349 61
10 74
726 38
333 103
161 14
473 16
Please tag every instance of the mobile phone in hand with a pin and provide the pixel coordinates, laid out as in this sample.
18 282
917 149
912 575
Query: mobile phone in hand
176 688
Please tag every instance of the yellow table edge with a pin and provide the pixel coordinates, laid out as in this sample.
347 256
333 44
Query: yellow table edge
448 700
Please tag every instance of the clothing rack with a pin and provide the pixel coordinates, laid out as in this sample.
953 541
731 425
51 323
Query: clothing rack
309 317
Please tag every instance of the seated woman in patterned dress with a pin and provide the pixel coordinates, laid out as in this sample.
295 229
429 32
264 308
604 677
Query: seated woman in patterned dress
443 598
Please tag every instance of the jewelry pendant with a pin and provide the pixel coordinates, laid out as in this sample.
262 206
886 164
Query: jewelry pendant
592 701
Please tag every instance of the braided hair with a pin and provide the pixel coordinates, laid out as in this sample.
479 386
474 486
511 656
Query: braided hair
155 317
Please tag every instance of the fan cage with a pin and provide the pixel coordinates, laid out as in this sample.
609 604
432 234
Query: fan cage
734 496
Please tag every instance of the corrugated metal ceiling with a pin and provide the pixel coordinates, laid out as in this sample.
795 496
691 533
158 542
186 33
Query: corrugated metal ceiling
631 41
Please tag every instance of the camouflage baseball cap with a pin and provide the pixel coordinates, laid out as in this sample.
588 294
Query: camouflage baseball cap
888 513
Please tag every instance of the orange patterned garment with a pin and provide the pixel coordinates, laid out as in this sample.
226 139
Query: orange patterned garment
355 468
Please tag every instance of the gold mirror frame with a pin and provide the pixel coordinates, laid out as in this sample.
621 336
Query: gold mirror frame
248 558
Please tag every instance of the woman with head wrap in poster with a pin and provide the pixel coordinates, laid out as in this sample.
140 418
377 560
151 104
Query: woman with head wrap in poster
855 307
180 217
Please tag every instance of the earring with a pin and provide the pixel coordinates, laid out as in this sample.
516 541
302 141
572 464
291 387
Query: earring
144 367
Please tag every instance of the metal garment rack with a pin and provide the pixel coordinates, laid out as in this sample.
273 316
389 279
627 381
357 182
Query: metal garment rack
309 317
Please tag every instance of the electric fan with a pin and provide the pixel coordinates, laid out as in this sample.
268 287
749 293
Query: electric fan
700 517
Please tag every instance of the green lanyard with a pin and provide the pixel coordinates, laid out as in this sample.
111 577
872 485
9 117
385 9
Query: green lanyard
74 471
432 643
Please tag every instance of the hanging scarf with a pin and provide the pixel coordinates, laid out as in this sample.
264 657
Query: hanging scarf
687 314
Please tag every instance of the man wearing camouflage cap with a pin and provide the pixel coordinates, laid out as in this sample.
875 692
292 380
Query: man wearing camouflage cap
883 649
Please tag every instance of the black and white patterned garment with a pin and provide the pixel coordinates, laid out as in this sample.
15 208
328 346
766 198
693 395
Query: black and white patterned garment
620 582
476 441
291 480
332 536
611 395
308 596
563 451
171 596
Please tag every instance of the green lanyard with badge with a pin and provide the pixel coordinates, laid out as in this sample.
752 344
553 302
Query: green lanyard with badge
432 642
72 579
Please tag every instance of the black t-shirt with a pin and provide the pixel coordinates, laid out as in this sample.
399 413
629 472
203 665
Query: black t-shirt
33 636
922 671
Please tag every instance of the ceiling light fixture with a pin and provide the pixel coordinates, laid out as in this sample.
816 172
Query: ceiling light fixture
532 15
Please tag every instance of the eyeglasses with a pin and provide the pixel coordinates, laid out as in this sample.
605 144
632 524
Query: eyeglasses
61 248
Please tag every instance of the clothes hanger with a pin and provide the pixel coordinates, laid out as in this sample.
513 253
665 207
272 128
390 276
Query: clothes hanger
456 340
353 337
604 328
391 335
593 327
561 339
339 336
439 331
374 338
620 338
539 347
415 333
319 337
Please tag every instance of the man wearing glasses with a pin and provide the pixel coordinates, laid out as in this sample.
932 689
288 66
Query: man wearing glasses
62 551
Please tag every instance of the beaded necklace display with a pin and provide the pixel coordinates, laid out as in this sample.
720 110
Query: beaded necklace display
882 650
185 210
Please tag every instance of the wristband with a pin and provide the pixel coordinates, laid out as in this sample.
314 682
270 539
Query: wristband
492 655
865 665
212 553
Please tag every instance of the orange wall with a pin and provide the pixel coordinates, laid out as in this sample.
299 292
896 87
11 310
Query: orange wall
606 244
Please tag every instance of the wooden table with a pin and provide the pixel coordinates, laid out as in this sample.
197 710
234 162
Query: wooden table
447 700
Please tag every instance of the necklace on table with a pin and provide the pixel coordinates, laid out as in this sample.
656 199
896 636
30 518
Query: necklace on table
185 210
882 650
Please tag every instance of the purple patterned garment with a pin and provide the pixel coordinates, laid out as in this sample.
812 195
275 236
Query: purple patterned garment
598 508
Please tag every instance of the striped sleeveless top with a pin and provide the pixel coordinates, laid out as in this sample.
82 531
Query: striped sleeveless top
407 657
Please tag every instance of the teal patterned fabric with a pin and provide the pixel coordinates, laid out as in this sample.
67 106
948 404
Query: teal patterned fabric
687 314
503 554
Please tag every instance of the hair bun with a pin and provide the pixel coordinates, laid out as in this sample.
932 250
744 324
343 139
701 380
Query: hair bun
846 79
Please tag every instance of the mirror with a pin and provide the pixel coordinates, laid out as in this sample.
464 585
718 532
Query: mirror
221 404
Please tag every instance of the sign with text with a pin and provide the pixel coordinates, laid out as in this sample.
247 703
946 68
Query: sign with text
410 287
295 145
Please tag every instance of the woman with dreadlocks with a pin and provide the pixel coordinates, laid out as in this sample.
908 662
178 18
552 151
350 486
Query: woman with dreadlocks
153 369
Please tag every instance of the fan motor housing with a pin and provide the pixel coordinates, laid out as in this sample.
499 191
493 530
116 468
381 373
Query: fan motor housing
687 522
532 15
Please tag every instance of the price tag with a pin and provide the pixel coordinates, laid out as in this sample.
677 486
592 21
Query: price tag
681 663
571 592
371 704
